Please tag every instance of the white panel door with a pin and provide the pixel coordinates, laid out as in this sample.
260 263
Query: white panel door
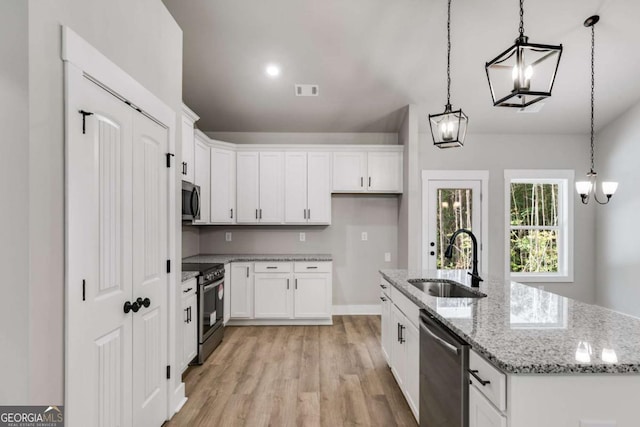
271 209
272 296
319 188
150 277
349 172
384 172
247 185
99 260
188 147
295 187
312 296
411 337
223 186
241 291
482 413
203 179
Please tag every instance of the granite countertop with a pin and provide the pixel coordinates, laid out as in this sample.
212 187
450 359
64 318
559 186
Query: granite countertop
225 258
525 330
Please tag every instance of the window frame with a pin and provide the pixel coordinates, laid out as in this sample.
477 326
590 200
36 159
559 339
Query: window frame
564 178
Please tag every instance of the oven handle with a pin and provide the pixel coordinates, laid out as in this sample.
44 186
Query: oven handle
205 288
448 346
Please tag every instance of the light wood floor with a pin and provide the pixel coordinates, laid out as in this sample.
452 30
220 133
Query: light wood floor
296 376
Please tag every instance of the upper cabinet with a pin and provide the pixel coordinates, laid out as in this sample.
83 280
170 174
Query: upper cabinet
307 180
202 177
223 186
188 139
372 171
260 187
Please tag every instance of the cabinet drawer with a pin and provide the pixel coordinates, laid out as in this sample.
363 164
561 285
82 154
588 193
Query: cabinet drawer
189 287
385 287
312 267
272 267
496 389
482 413
410 310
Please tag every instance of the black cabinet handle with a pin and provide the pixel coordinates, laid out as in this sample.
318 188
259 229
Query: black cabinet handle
308 213
474 373
186 312
361 182
271 268
383 298
190 318
369 181
261 213
144 302
247 271
296 283
312 267
187 290
383 286
287 284
402 340
128 306
398 332
231 213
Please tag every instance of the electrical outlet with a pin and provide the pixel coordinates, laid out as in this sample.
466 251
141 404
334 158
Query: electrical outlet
387 256
303 237
585 423
227 236
365 236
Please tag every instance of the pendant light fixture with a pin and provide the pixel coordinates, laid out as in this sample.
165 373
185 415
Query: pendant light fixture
448 129
523 74
588 188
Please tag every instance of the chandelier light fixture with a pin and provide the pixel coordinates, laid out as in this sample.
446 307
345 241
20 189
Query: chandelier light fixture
524 73
588 188
448 129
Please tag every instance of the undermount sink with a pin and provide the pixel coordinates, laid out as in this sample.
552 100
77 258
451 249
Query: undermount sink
445 288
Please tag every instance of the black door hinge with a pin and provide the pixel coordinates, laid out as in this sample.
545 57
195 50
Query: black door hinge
169 155
84 120
168 372
168 266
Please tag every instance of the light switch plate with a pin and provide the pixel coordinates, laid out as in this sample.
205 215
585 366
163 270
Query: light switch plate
227 236
303 237
592 423
365 236
387 256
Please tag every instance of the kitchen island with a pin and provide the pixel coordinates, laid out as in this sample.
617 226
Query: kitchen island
562 362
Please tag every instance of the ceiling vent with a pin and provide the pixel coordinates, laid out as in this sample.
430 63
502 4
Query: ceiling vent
307 90
533 108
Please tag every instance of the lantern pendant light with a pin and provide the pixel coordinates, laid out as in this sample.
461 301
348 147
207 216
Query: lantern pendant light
588 188
523 74
448 129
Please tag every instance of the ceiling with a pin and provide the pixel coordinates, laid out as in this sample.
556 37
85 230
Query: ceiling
373 57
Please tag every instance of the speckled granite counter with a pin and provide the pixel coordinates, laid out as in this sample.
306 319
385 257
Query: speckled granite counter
525 330
223 259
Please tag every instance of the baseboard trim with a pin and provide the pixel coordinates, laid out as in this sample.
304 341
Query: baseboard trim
180 398
279 322
341 310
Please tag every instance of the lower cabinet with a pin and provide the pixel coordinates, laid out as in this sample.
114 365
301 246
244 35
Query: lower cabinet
482 413
241 290
312 292
190 322
385 331
227 297
272 296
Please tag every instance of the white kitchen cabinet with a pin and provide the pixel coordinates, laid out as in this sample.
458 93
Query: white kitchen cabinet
307 188
223 186
227 294
397 349
248 186
241 290
188 157
349 172
190 322
271 209
272 296
312 293
385 324
384 172
203 178
482 413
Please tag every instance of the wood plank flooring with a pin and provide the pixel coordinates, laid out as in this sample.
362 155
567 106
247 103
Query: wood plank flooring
296 376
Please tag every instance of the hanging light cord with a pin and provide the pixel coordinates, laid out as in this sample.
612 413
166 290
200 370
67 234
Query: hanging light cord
593 79
449 55
521 18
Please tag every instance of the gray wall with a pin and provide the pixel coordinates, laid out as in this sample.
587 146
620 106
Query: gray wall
14 193
617 249
190 240
143 39
355 262
496 153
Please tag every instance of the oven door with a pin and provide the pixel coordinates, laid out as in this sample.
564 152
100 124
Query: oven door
211 298
190 201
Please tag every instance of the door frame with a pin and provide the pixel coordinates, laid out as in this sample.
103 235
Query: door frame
457 175
82 60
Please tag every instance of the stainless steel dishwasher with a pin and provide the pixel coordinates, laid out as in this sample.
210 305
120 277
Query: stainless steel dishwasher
444 382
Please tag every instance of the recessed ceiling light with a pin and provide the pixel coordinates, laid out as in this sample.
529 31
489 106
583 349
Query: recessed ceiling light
272 70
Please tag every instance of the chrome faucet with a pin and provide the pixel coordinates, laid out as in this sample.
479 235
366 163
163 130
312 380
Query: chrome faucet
448 253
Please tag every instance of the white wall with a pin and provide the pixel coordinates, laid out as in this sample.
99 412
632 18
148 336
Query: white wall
496 153
371 138
618 252
142 38
14 193
355 262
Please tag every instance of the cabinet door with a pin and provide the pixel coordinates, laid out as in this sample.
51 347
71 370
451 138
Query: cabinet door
349 172
203 179
482 413
241 291
227 295
272 296
411 335
223 189
384 172
247 185
190 335
312 296
295 187
398 358
188 148
271 188
385 325
319 188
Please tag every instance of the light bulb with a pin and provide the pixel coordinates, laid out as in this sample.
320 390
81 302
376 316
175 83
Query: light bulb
528 73
609 188
583 187
446 129
526 78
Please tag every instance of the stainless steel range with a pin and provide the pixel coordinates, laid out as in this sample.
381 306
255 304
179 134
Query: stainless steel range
210 306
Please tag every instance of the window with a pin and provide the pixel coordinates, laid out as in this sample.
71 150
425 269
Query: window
539 225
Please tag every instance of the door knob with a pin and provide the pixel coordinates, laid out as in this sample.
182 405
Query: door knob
432 253
128 306
432 244
143 302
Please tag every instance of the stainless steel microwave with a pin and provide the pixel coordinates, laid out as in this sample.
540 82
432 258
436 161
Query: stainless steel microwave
190 201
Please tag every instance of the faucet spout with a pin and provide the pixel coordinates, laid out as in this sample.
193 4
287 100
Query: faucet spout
448 253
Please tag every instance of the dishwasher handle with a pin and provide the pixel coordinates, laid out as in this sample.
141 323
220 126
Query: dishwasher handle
445 344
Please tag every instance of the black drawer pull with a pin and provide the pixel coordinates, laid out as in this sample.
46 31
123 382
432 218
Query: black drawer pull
187 290
474 373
